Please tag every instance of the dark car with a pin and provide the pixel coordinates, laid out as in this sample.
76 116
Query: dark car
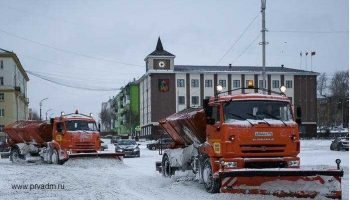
4 150
129 147
163 143
340 143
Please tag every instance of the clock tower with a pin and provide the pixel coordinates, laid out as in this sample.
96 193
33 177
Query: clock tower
159 59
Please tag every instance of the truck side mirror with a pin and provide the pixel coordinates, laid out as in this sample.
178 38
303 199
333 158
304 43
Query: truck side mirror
99 127
298 116
207 109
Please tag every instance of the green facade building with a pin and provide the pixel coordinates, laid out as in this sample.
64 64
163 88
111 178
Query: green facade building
127 110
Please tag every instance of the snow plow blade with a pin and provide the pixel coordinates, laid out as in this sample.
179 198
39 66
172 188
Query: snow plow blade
283 182
118 156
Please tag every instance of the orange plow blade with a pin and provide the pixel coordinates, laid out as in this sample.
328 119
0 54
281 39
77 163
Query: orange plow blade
283 182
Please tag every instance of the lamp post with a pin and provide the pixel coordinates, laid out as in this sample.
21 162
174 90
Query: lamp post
41 104
47 112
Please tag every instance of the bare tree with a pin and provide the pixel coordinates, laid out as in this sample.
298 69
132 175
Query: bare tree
340 84
36 116
106 118
339 89
322 84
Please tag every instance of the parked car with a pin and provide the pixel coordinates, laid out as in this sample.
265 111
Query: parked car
129 147
163 143
4 149
104 145
340 143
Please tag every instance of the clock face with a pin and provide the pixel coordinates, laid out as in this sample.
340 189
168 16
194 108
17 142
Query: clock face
161 64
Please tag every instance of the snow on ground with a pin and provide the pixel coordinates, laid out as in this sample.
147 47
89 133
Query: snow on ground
134 178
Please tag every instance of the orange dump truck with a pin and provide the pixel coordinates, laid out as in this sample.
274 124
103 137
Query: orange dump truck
246 143
67 136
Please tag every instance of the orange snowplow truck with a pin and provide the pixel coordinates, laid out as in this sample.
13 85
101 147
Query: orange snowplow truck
245 143
64 137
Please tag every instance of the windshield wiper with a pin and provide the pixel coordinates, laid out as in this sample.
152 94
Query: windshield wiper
274 117
235 115
259 118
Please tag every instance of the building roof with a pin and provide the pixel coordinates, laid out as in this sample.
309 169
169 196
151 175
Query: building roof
206 68
5 53
159 51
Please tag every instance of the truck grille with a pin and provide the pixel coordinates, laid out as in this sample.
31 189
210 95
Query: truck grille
84 145
263 148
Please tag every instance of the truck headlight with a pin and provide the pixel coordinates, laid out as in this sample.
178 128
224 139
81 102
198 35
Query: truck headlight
230 164
293 163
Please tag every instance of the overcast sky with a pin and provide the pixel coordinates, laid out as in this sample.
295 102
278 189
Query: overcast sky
85 43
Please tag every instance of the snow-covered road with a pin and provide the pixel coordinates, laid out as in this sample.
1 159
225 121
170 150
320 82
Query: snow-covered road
135 178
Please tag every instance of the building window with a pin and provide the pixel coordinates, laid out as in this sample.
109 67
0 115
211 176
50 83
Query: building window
2 96
181 100
1 64
289 84
180 82
195 83
275 83
207 97
208 83
2 127
195 100
1 80
249 83
2 112
222 83
261 84
236 84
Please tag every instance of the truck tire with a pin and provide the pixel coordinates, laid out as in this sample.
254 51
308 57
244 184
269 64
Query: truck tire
16 156
167 171
211 185
153 148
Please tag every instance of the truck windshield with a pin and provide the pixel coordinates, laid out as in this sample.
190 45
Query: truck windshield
257 110
80 125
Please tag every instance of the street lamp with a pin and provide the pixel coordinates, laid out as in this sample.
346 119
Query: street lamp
47 112
41 104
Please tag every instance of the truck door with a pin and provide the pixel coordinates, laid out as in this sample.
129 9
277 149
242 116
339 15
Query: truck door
213 130
58 132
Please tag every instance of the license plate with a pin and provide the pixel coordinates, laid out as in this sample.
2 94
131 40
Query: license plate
263 134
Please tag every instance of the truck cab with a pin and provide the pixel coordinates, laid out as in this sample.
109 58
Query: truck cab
76 133
252 131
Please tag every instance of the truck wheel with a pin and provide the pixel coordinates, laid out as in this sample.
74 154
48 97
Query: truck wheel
15 156
54 157
153 148
167 171
211 185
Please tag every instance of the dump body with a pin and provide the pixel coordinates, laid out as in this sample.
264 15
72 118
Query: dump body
186 127
29 131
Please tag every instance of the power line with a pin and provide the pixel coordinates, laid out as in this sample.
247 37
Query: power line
250 44
50 79
73 66
67 51
239 37
306 31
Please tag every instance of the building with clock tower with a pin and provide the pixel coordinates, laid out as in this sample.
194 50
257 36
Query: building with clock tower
167 88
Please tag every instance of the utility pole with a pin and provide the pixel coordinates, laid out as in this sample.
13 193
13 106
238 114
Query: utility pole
41 104
263 43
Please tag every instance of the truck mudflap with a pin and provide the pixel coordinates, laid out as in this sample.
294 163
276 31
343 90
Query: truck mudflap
283 182
111 155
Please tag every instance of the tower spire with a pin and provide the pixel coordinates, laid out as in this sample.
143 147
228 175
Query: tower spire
159 45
